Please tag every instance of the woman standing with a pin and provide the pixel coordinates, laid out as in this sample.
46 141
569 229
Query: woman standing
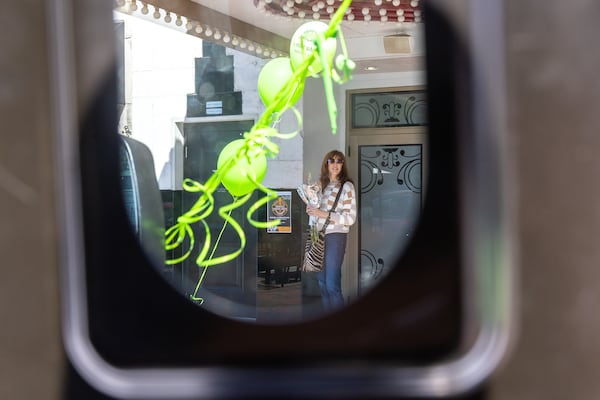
334 178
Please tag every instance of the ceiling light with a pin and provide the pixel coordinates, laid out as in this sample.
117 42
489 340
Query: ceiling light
391 11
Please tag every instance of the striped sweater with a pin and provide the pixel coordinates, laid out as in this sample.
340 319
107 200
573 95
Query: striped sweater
344 214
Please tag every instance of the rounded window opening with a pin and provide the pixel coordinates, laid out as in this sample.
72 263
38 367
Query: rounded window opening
239 185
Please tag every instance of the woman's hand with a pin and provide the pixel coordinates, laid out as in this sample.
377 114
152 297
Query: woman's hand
312 211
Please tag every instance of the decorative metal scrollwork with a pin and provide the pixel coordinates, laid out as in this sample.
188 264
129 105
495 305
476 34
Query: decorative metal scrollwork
389 159
406 176
412 108
374 176
388 109
407 158
371 265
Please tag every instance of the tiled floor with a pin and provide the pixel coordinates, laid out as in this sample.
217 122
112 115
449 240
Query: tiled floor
280 304
277 303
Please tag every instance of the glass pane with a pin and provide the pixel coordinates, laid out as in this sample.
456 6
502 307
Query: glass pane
388 109
185 95
390 204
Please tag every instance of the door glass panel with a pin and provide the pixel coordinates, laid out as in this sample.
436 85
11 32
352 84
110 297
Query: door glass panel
389 109
390 203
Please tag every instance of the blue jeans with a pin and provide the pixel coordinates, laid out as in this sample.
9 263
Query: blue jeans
330 278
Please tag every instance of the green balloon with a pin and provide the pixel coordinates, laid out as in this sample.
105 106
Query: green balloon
273 76
302 45
236 179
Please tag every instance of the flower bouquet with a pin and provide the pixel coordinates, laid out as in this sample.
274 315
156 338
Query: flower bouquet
311 195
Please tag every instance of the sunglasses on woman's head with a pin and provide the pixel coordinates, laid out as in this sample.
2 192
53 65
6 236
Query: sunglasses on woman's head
335 160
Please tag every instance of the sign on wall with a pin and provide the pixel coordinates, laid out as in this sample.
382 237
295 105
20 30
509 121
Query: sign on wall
280 208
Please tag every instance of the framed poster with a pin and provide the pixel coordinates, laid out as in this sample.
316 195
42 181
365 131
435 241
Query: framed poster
280 208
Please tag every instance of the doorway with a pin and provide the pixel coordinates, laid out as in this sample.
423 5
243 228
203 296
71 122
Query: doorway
388 165
228 288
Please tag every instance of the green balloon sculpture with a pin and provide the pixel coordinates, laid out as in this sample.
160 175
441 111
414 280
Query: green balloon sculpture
304 43
273 77
249 168
242 164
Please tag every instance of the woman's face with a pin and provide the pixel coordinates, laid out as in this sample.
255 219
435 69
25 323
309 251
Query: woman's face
334 165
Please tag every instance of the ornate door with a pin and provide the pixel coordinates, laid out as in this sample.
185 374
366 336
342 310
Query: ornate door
389 173
387 139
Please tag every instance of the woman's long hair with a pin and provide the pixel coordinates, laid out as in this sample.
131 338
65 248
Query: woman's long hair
343 176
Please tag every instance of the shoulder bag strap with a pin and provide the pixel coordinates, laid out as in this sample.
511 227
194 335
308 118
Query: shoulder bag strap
337 197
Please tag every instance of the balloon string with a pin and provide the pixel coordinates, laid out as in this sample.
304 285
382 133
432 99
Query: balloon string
204 269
